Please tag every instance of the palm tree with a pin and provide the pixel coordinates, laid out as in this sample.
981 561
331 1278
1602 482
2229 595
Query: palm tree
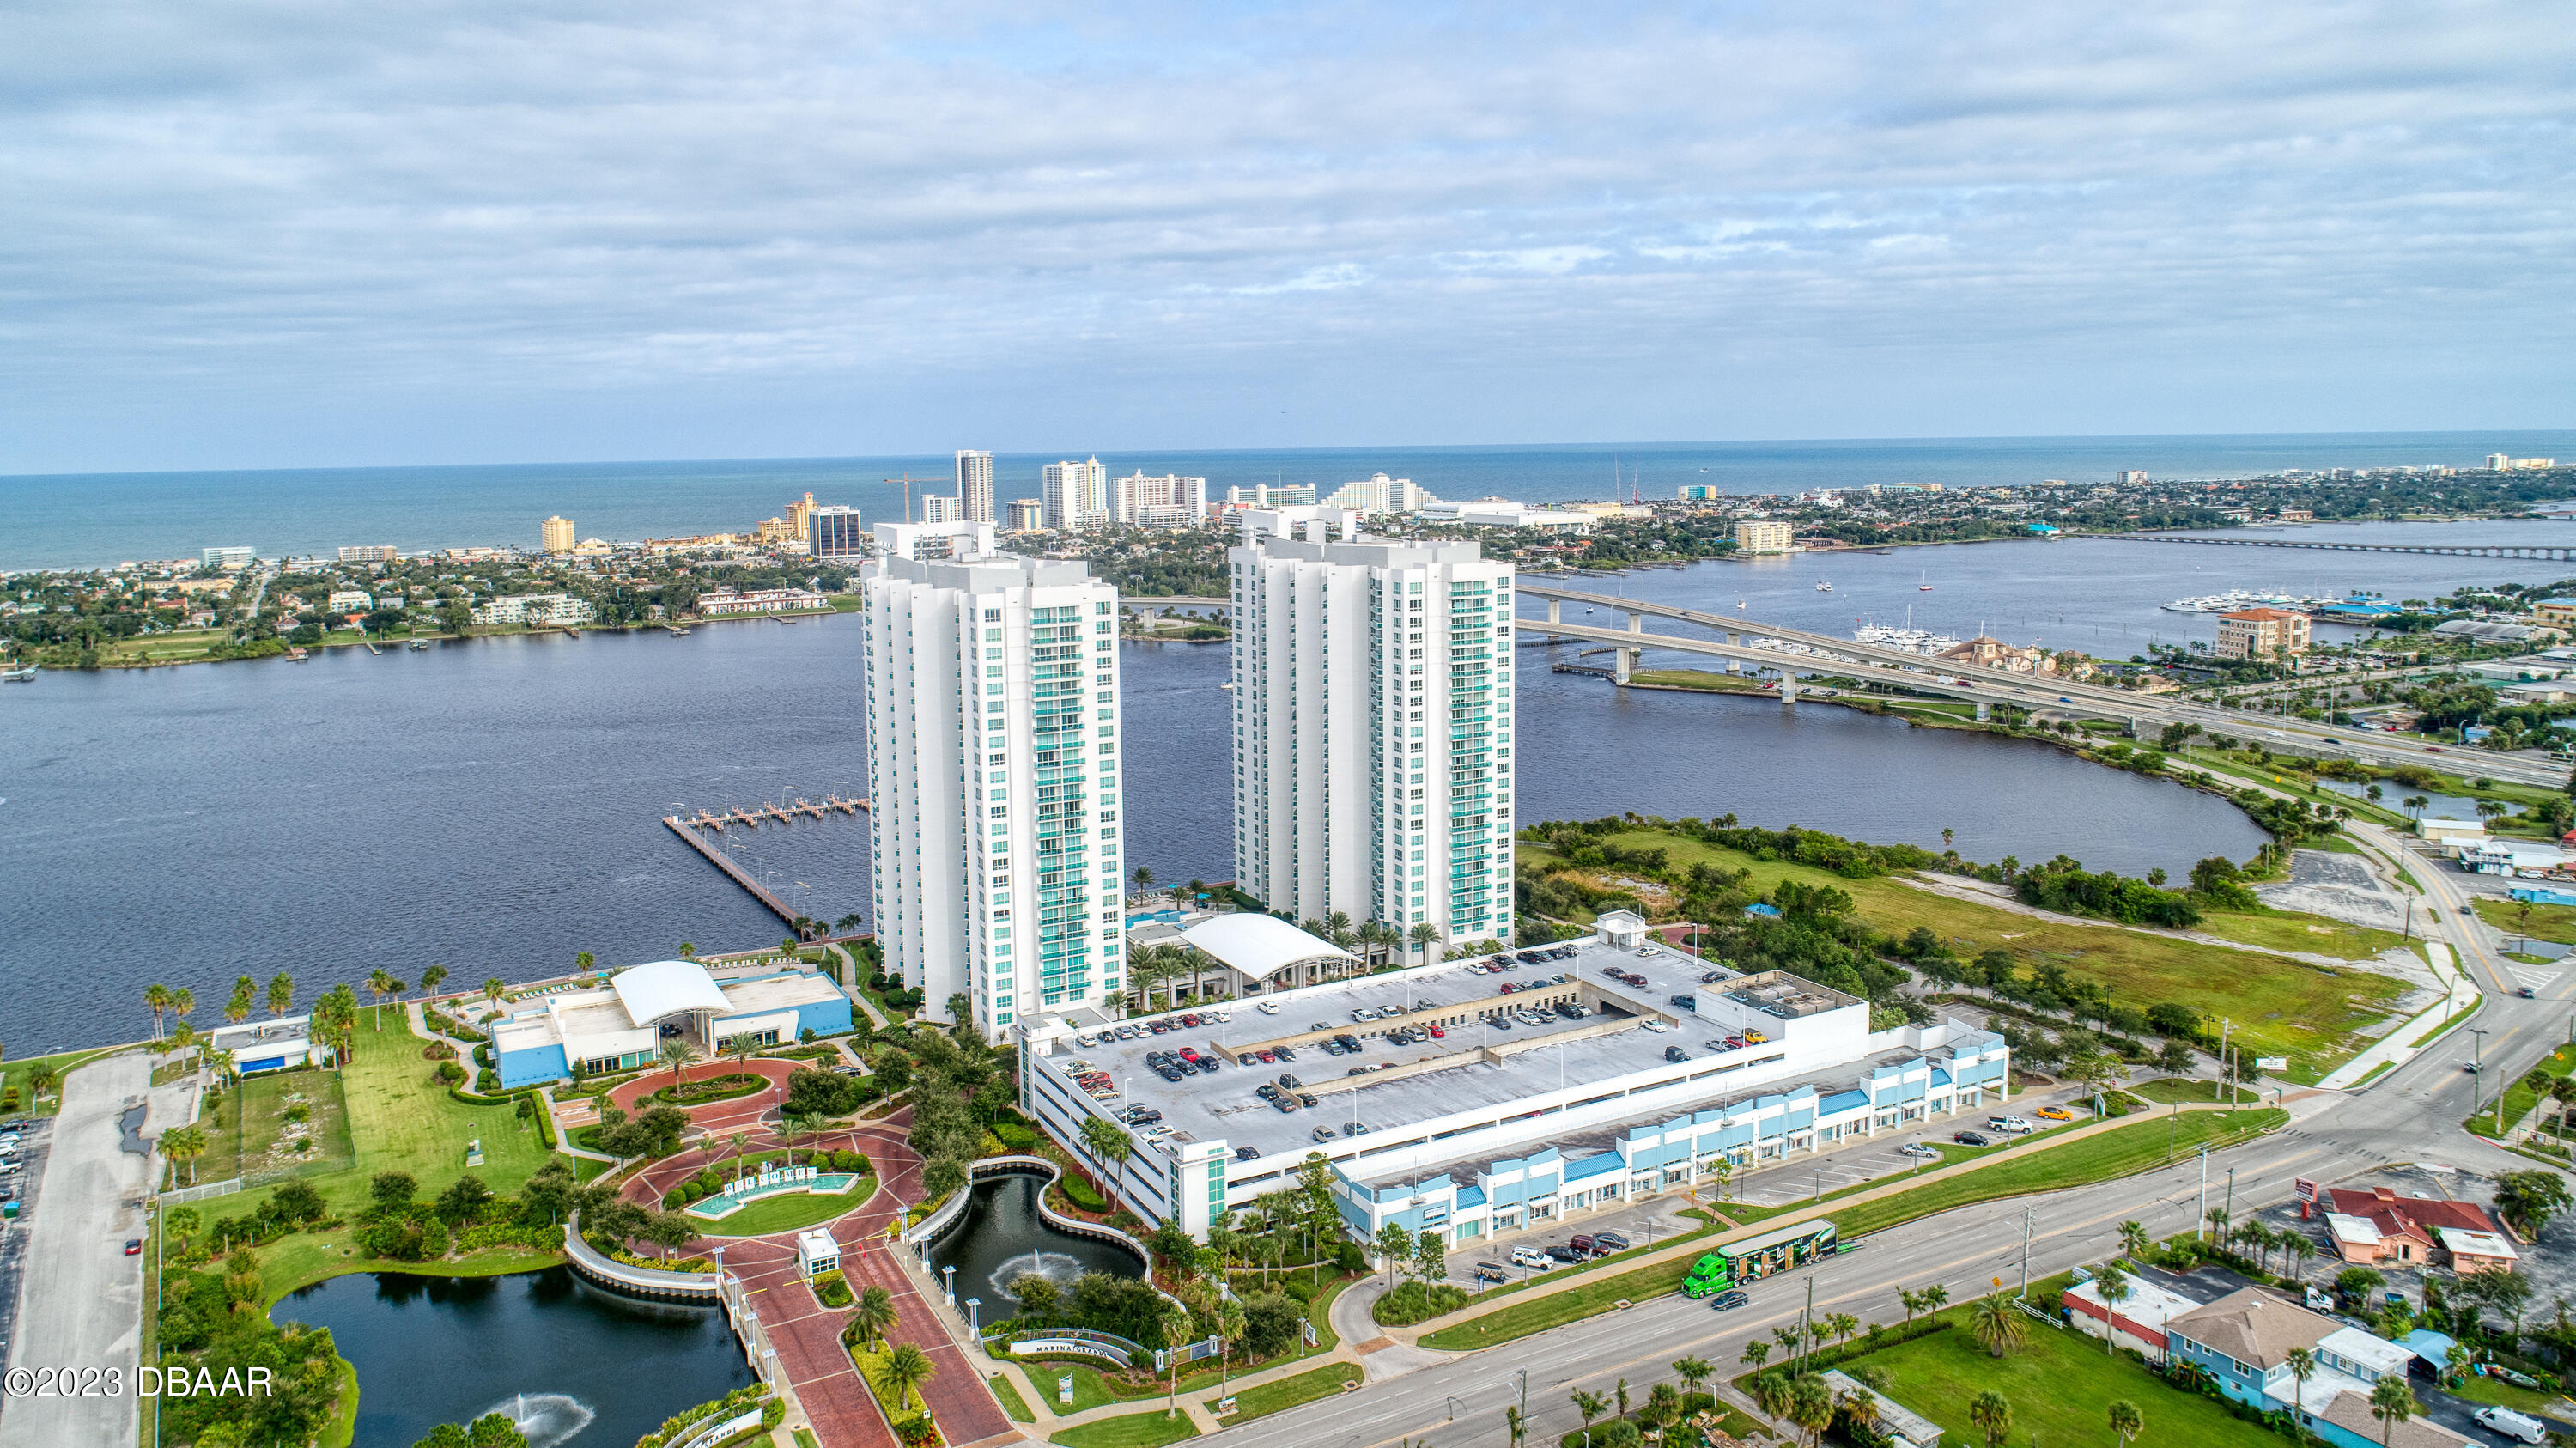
2413 804
380 985
2392 1403
2113 1284
1843 1325
1143 877
874 1314
907 1368
185 1143
2126 1421
1997 1324
2297 1249
245 990
156 999
430 978
1692 1371
1757 1352
1512 1423
2135 1241
1424 935
583 961
1934 1297
1911 1301
1811 1406
1110 1147
740 1140
183 1002
2563 1091
2303 1366
493 990
281 993
676 1051
1590 1405
1176 1330
1992 1413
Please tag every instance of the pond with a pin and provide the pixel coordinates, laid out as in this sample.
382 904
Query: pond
572 1363
1000 1237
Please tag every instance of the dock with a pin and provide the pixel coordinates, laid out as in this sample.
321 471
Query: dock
733 871
789 813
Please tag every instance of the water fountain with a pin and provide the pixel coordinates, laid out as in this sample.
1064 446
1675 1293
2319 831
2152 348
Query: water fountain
1001 1237
544 1419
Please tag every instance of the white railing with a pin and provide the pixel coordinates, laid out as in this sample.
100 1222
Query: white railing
201 1192
725 1429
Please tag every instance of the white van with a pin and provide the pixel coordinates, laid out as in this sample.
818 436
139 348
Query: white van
2511 1424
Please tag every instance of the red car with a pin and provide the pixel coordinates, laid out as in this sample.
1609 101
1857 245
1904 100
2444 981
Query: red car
1268 1059
134 1246
1189 1053
1438 1034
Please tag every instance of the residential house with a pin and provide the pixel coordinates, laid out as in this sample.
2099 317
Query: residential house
2476 1251
2243 1341
1984 652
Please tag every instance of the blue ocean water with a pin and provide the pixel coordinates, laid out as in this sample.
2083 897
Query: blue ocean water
96 519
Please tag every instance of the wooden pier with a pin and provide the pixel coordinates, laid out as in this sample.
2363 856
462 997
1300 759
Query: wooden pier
789 813
735 872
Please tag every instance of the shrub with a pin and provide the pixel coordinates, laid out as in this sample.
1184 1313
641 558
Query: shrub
1017 1138
451 1074
1413 1302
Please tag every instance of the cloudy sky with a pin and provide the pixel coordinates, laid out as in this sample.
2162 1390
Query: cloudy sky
244 233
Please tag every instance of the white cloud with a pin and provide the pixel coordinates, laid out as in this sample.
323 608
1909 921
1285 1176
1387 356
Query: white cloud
693 221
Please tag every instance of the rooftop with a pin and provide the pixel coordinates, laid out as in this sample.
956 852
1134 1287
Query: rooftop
2253 1326
1260 946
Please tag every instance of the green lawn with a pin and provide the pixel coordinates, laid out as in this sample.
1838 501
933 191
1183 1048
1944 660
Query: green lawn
2519 1099
2120 1151
2548 922
1134 1430
2060 1386
1289 1392
1007 1394
788 1211
2281 1007
2166 1090
2522 1400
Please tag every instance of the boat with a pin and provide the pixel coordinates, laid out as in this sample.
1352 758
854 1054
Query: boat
1925 585
1912 640
1228 684
420 643
23 674
1823 587
295 654
2236 598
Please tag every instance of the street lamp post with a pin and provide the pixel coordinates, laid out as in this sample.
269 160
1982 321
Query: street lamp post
2478 1065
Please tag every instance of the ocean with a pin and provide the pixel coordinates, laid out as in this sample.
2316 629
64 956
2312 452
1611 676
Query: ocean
99 519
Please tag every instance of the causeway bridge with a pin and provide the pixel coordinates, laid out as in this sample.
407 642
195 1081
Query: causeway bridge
2554 552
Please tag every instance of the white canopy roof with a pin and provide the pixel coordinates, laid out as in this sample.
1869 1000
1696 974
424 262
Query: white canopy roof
1260 946
667 988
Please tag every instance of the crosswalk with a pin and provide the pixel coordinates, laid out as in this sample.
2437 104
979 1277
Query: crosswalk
2536 977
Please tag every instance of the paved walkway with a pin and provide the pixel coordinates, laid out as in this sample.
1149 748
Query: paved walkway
2398 1046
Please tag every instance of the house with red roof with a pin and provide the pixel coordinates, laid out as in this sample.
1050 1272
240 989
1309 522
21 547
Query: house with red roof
2380 1226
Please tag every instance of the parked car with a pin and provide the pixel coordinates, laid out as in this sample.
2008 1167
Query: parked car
1918 1148
1582 1243
2010 1125
134 1246
1656 1026
1610 1241
2054 1113
1565 1254
1675 1053
1247 1153
1531 1257
1972 1138
1322 1133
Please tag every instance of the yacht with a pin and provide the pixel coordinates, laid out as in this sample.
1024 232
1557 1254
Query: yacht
1924 585
23 674
295 654
1823 587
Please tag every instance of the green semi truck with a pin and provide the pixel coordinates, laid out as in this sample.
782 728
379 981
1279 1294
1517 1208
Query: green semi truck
1779 1250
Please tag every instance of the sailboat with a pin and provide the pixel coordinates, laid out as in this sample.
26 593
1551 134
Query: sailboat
1925 586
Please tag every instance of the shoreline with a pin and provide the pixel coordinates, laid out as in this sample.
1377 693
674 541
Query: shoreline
402 642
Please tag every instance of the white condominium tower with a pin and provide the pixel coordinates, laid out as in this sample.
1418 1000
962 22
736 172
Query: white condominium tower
992 696
1068 492
975 485
1372 725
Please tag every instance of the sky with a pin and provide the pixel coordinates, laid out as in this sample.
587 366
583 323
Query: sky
287 233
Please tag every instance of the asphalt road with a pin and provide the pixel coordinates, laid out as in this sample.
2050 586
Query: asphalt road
81 1305
2412 1113
37 1134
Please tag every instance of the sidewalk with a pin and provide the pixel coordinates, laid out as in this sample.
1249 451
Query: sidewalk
2398 1046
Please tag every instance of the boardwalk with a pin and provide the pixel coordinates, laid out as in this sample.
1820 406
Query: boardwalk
732 871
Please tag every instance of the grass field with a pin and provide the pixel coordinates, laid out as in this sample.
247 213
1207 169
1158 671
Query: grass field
257 1136
1133 1430
2282 1007
2519 1099
1289 1392
400 1119
2166 1090
789 1211
15 1073
1007 1394
2118 1152
2060 1386
2548 922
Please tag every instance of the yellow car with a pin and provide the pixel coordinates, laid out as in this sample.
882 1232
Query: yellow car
2054 1113
1755 1038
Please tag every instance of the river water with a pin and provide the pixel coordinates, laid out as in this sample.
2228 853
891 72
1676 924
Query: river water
571 1363
493 805
1001 1238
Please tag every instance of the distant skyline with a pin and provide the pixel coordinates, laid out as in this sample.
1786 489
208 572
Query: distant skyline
253 234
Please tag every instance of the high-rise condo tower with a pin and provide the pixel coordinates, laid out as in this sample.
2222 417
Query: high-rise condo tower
1372 725
975 485
993 748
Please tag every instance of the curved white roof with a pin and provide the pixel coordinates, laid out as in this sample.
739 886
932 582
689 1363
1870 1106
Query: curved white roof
1260 946
666 988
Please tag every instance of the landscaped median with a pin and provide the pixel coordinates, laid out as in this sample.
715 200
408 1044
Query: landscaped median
2076 1159
1286 1393
1130 1430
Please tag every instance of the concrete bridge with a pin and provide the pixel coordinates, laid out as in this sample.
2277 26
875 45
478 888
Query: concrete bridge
2554 552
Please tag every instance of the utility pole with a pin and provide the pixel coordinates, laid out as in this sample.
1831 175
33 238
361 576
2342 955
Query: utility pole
2478 1062
2231 1194
2198 1224
2027 1213
2223 1025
